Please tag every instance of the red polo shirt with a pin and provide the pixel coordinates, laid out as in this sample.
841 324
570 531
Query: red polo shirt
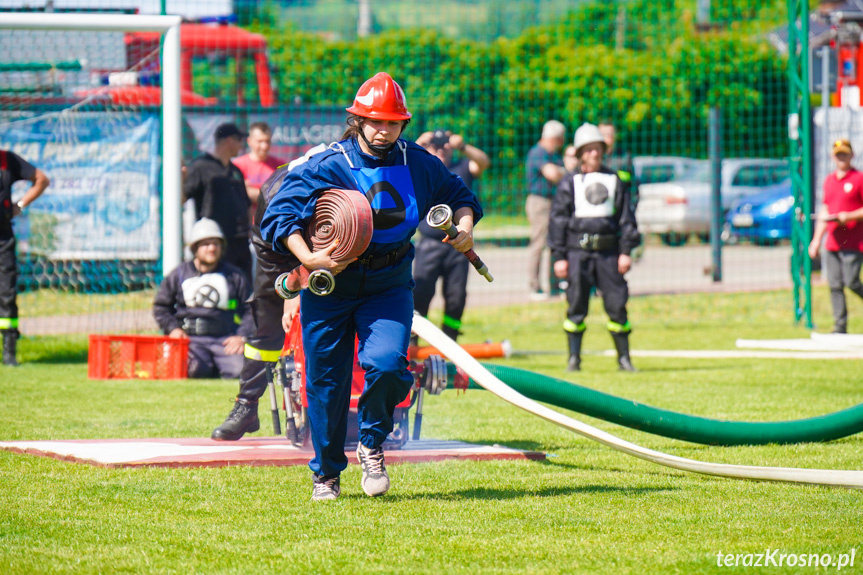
844 195
256 173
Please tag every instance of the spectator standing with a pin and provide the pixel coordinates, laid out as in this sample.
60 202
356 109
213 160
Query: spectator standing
839 221
258 164
13 168
204 300
591 234
435 258
218 190
543 170
618 159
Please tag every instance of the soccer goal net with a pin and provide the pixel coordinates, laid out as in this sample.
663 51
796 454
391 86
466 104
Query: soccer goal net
82 100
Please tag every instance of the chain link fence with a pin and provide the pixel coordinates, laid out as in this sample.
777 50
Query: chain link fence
493 71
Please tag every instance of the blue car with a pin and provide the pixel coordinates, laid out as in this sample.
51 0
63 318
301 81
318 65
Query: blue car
764 218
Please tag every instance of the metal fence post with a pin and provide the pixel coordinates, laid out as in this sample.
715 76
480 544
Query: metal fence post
716 212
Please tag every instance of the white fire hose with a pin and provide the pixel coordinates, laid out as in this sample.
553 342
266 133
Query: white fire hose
435 337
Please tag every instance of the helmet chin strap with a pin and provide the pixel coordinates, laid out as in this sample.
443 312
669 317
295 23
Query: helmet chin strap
380 151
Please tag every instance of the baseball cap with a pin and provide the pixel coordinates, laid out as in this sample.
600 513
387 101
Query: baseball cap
439 139
842 145
227 130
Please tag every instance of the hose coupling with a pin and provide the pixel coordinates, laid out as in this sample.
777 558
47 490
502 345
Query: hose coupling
434 375
282 283
322 282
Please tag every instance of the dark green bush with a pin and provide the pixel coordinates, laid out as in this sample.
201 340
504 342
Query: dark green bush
649 70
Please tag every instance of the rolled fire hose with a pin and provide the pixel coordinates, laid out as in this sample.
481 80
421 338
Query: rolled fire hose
831 477
668 423
342 216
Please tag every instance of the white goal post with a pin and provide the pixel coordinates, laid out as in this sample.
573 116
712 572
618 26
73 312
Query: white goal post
172 241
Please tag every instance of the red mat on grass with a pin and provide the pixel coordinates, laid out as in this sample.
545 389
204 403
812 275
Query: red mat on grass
201 452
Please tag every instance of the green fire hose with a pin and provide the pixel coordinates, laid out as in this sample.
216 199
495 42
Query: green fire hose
669 423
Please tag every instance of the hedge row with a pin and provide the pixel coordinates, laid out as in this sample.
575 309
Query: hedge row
649 70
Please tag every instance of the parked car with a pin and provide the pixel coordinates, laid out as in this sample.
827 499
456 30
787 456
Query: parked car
764 218
682 206
658 169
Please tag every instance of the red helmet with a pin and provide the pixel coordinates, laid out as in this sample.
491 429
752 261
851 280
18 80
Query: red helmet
380 98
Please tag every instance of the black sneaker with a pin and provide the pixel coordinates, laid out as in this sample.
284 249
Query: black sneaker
375 480
242 419
326 488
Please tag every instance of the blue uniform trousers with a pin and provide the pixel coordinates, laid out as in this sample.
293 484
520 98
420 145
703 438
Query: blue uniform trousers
382 323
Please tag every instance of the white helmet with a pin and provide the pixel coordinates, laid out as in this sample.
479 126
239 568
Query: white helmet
205 229
587 134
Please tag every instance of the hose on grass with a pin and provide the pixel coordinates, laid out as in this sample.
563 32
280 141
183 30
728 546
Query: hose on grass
668 423
476 371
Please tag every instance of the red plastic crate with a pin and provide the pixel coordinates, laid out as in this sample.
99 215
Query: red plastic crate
137 356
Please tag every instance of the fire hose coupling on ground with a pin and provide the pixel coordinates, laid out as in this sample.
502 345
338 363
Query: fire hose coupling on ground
341 216
440 217
482 376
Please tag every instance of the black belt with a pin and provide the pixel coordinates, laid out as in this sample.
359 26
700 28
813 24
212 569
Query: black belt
597 242
206 326
388 259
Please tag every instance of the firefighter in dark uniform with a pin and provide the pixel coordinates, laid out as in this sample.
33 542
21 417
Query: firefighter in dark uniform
13 168
204 301
435 258
264 347
591 234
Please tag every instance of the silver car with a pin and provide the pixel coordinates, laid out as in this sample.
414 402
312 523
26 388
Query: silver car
658 169
682 206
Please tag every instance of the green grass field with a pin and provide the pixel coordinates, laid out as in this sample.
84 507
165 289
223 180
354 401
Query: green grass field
586 509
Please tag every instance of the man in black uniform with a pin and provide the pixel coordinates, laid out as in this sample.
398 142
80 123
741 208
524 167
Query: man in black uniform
434 258
218 189
264 346
204 301
591 234
13 168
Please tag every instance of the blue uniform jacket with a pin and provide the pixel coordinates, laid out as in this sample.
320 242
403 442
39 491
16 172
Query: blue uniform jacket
292 207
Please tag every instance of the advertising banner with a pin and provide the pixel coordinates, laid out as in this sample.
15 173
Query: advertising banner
103 201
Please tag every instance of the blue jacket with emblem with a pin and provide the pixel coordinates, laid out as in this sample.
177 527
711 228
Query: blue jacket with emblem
430 183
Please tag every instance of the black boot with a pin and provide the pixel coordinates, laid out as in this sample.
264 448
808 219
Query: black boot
621 343
450 332
574 339
242 419
10 344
